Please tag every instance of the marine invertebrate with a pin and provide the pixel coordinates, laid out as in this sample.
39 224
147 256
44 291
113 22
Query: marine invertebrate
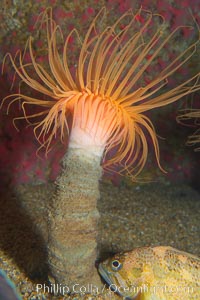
194 114
106 103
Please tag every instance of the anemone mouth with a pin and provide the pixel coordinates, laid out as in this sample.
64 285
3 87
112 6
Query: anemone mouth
104 95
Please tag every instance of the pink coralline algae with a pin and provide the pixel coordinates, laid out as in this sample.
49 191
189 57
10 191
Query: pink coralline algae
19 162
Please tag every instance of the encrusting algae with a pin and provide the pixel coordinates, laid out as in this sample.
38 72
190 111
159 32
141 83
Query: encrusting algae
106 102
153 273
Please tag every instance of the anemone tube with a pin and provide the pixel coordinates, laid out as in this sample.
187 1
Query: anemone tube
107 105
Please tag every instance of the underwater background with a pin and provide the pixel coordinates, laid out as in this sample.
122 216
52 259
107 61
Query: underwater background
158 209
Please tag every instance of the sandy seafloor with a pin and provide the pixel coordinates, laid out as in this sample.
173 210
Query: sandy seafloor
131 216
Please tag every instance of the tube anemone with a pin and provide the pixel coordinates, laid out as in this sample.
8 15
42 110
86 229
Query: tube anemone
107 103
194 114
